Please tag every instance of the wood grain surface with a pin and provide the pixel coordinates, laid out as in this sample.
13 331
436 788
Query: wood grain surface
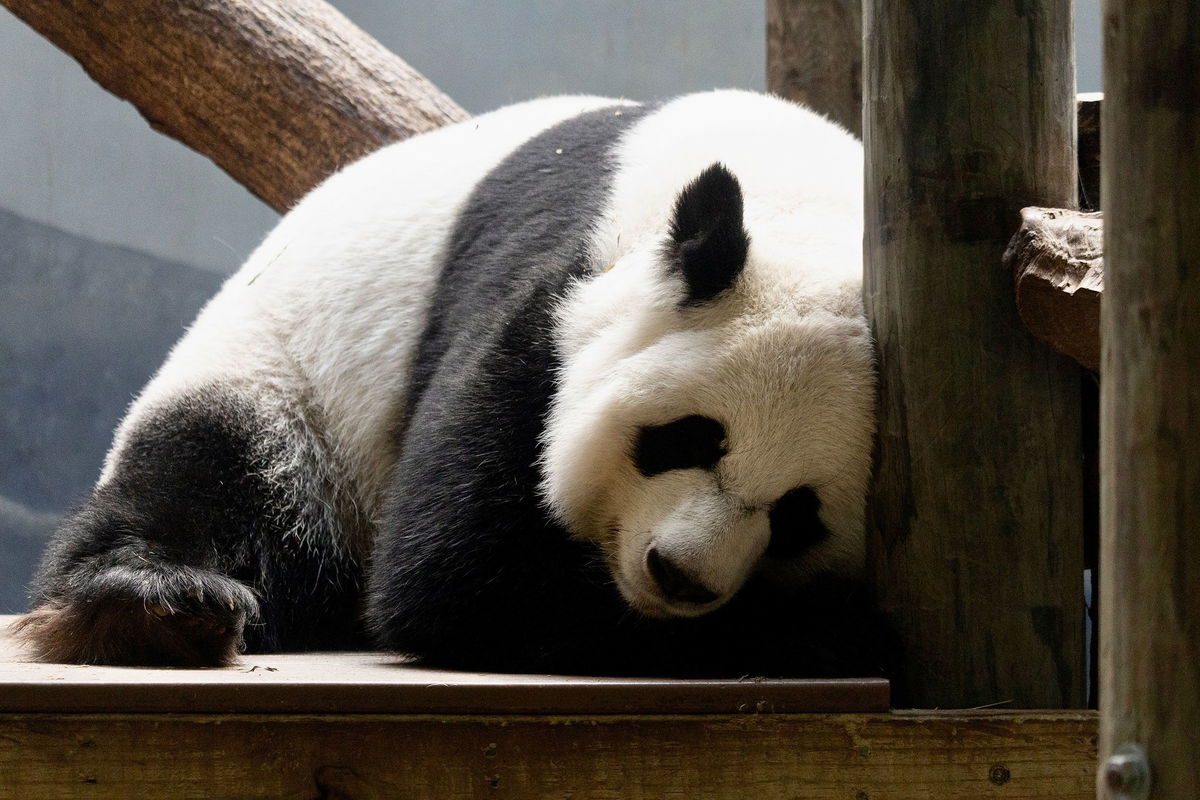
976 515
357 757
1150 391
372 727
814 56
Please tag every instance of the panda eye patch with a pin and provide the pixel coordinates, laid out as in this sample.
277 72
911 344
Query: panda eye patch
796 523
693 442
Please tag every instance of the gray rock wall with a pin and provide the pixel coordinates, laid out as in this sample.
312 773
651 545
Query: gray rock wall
84 324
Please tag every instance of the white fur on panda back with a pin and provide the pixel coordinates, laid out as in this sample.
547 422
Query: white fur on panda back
327 311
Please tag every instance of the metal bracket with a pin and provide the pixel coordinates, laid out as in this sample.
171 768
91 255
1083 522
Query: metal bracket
1125 775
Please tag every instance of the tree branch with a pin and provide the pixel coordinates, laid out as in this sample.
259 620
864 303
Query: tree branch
278 93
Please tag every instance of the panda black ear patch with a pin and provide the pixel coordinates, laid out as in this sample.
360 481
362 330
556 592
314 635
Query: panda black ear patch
708 243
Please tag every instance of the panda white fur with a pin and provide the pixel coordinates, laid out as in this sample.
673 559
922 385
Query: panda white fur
576 385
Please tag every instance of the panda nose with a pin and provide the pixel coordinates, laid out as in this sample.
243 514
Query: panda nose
674 582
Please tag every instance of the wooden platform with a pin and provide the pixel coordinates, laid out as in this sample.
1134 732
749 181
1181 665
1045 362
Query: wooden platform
363 725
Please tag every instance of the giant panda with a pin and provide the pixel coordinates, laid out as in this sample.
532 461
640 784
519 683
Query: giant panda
577 385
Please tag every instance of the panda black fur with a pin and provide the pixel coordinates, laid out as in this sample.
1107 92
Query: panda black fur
585 383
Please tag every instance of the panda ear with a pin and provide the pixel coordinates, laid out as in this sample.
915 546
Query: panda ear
708 243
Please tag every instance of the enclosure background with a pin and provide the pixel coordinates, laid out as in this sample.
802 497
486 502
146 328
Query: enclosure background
112 236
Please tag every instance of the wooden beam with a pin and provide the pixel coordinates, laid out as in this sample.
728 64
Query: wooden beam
769 756
366 725
1057 260
814 56
1150 391
976 534
278 93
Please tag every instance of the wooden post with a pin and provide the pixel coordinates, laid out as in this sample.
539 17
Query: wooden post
976 516
1150 393
814 56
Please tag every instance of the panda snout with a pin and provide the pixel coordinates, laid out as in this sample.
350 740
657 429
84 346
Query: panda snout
675 583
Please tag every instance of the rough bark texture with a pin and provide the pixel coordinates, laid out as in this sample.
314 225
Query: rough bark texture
1057 259
814 56
976 515
1150 392
279 93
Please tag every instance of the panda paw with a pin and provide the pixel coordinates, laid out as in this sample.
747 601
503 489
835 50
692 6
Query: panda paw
145 615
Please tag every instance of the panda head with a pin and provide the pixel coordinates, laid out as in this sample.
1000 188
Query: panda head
714 412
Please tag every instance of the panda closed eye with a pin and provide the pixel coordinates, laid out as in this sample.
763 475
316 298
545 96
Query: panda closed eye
796 523
692 442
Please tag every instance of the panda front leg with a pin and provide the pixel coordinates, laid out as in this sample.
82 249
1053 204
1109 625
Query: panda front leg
215 527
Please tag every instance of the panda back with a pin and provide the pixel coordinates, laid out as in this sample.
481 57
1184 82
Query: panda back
330 307
521 238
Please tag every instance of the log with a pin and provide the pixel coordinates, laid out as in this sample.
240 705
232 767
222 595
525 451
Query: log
1057 259
278 93
1150 395
814 56
975 519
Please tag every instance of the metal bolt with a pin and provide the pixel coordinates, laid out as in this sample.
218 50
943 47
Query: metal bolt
1125 775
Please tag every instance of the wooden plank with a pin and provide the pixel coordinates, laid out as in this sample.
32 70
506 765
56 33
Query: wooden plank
814 56
1057 260
278 93
1150 391
976 515
767 757
383 683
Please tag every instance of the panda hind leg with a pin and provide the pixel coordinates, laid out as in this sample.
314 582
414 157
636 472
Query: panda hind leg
142 616
210 535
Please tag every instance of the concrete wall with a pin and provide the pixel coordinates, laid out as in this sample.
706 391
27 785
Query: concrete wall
111 235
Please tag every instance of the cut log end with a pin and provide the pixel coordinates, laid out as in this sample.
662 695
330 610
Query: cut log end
1057 260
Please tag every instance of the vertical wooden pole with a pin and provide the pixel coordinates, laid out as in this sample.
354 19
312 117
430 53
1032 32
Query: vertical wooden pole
814 56
976 516
1150 392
